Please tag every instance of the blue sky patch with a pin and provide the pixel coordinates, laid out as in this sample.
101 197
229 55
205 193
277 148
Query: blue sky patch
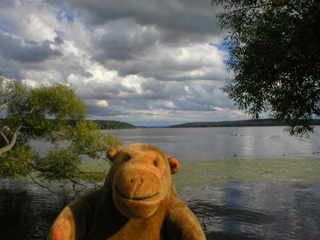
65 12
220 46
5 25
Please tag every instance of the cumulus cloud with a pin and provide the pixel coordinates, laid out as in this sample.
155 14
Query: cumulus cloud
26 51
144 62
187 16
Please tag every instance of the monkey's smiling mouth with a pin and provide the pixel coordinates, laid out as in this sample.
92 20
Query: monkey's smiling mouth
135 199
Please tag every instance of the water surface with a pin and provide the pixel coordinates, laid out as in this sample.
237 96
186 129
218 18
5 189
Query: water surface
189 144
236 208
232 210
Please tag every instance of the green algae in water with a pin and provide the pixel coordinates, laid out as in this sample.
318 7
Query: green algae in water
95 170
204 173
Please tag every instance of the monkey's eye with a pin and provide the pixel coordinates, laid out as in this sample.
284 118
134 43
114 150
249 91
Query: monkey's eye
127 158
155 163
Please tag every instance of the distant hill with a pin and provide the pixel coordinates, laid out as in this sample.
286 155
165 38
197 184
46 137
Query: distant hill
103 124
106 124
240 123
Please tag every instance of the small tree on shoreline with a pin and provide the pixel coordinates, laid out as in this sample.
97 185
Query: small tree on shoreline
48 113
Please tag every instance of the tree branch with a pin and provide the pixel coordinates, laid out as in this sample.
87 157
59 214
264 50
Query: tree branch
55 133
41 185
4 136
11 100
35 166
46 170
13 141
8 102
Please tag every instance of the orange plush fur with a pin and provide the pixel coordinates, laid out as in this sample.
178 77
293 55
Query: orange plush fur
138 201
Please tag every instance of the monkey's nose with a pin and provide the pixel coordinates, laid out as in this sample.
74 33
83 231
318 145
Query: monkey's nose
134 184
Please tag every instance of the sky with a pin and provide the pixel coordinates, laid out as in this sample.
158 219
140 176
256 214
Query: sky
145 62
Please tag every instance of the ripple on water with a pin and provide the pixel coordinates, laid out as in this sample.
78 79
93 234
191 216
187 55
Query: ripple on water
256 211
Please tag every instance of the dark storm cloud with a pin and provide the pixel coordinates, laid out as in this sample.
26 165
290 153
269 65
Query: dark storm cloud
154 86
179 21
58 41
6 4
97 91
124 41
9 69
135 103
192 105
87 74
188 16
94 111
29 52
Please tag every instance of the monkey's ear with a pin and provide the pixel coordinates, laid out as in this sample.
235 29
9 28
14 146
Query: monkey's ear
113 152
174 164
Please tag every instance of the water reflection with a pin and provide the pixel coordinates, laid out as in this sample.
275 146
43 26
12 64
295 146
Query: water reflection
256 211
234 210
27 211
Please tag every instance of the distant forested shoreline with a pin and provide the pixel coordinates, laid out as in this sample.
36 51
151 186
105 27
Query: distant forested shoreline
110 124
106 124
240 123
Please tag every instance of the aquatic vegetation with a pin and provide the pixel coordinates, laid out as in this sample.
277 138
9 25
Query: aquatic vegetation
94 171
204 173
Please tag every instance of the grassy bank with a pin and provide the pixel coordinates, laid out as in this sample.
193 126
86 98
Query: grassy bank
202 173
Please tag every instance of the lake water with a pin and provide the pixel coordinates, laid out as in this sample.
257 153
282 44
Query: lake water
228 210
189 144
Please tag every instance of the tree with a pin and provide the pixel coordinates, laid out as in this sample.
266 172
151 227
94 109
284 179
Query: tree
275 57
48 113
